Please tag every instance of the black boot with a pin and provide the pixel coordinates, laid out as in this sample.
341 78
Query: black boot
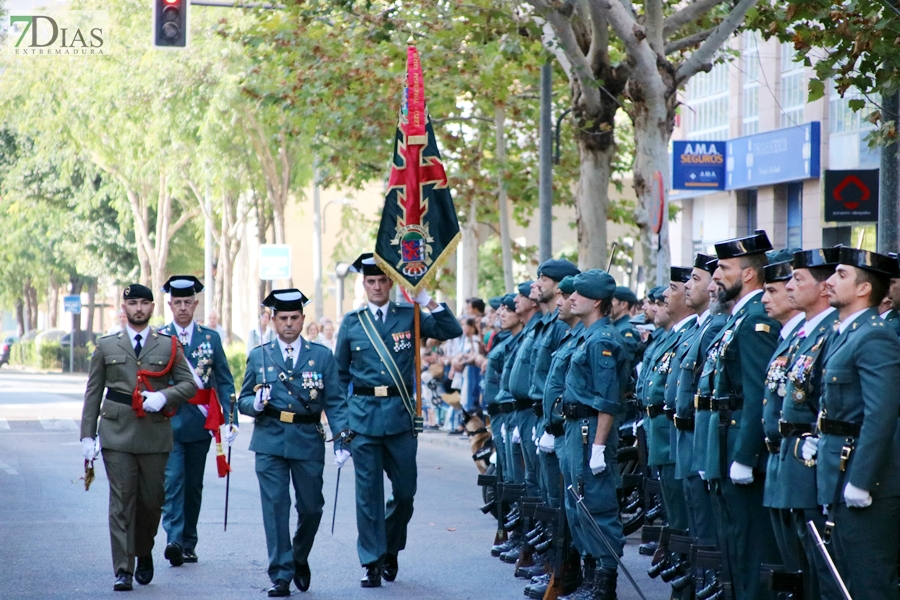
585 591
605 584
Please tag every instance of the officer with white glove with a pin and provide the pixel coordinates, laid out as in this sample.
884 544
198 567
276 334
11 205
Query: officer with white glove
341 456
741 474
855 497
516 437
810 447
598 460
90 448
153 401
546 443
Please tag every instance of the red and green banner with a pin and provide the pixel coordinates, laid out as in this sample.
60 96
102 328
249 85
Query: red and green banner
419 229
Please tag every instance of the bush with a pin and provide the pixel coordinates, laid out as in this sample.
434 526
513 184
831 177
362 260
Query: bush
237 362
51 356
24 354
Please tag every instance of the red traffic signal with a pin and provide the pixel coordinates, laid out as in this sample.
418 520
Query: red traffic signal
170 23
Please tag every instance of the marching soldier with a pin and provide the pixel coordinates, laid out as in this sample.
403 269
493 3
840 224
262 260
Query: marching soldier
857 453
590 405
690 361
288 383
795 489
196 421
492 371
375 353
736 452
146 378
778 306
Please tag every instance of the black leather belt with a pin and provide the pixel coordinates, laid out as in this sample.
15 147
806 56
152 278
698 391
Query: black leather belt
701 402
654 410
842 428
787 429
579 411
117 396
684 423
538 408
493 409
507 407
773 446
726 403
290 417
525 404
382 391
555 429
670 413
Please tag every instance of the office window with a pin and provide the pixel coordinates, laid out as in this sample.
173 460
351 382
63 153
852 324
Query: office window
842 118
793 87
706 110
749 211
795 215
750 94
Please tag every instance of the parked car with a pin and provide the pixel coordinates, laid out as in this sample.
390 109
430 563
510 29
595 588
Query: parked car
5 349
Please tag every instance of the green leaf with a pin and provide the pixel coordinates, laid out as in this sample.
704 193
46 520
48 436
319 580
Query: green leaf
816 90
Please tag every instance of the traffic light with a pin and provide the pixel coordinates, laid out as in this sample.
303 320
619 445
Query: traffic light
170 23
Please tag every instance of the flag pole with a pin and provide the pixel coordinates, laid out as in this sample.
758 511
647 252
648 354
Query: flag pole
417 324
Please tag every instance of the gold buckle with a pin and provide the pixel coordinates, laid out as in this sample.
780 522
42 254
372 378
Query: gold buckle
696 401
845 457
286 417
381 391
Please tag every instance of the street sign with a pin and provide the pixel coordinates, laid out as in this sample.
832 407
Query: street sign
274 261
851 196
698 165
72 304
779 156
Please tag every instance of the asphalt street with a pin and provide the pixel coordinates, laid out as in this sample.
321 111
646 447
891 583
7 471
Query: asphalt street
54 541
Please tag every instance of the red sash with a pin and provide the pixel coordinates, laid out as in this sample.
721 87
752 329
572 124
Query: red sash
214 420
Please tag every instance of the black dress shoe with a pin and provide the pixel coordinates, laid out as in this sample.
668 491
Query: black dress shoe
174 554
280 589
123 581
372 578
390 567
190 556
144 572
301 576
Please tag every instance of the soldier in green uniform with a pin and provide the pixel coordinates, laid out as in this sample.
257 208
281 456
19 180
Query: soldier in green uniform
689 359
857 453
146 378
492 371
674 317
288 383
795 490
736 454
375 353
192 426
590 405
891 316
520 384
623 303
779 307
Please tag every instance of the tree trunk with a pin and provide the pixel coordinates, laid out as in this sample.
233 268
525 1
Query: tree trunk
92 296
469 247
31 306
505 240
592 202
53 305
21 326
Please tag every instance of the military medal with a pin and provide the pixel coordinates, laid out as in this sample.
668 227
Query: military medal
313 394
776 377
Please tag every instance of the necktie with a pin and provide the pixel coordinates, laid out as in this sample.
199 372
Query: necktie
137 345
290 359
379 316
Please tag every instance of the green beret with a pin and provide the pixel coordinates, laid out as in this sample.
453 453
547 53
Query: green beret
595 284
567 285
525 288
557 268
656 294
509 301
625 294
495 302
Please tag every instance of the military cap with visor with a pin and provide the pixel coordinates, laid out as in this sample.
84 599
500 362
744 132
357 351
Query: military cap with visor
365 264
780 266
180 286
880 264
706 262
820 257
752 244
289 299
680 274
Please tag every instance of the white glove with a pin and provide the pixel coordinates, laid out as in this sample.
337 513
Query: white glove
90 448
262 396
702 474
545 444
340 457
598 460
810 448
855 497
741 474
534 437
516 437
153 401
230 433
423 298
503 432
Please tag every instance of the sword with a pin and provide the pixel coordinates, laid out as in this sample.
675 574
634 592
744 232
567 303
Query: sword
820 544
612 256
337 486
587 515
228 475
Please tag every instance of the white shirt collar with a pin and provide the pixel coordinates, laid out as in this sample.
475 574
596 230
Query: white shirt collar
295 347
145 332
812 323
189 331
846 322
791 325
702 318
740 303
886 313
384 310
680 325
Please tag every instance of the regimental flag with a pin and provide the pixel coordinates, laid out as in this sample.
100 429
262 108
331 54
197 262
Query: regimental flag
419 229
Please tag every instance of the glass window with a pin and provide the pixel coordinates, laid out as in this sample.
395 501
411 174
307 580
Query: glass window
795 215
793 87
842 118
750 94
707 105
